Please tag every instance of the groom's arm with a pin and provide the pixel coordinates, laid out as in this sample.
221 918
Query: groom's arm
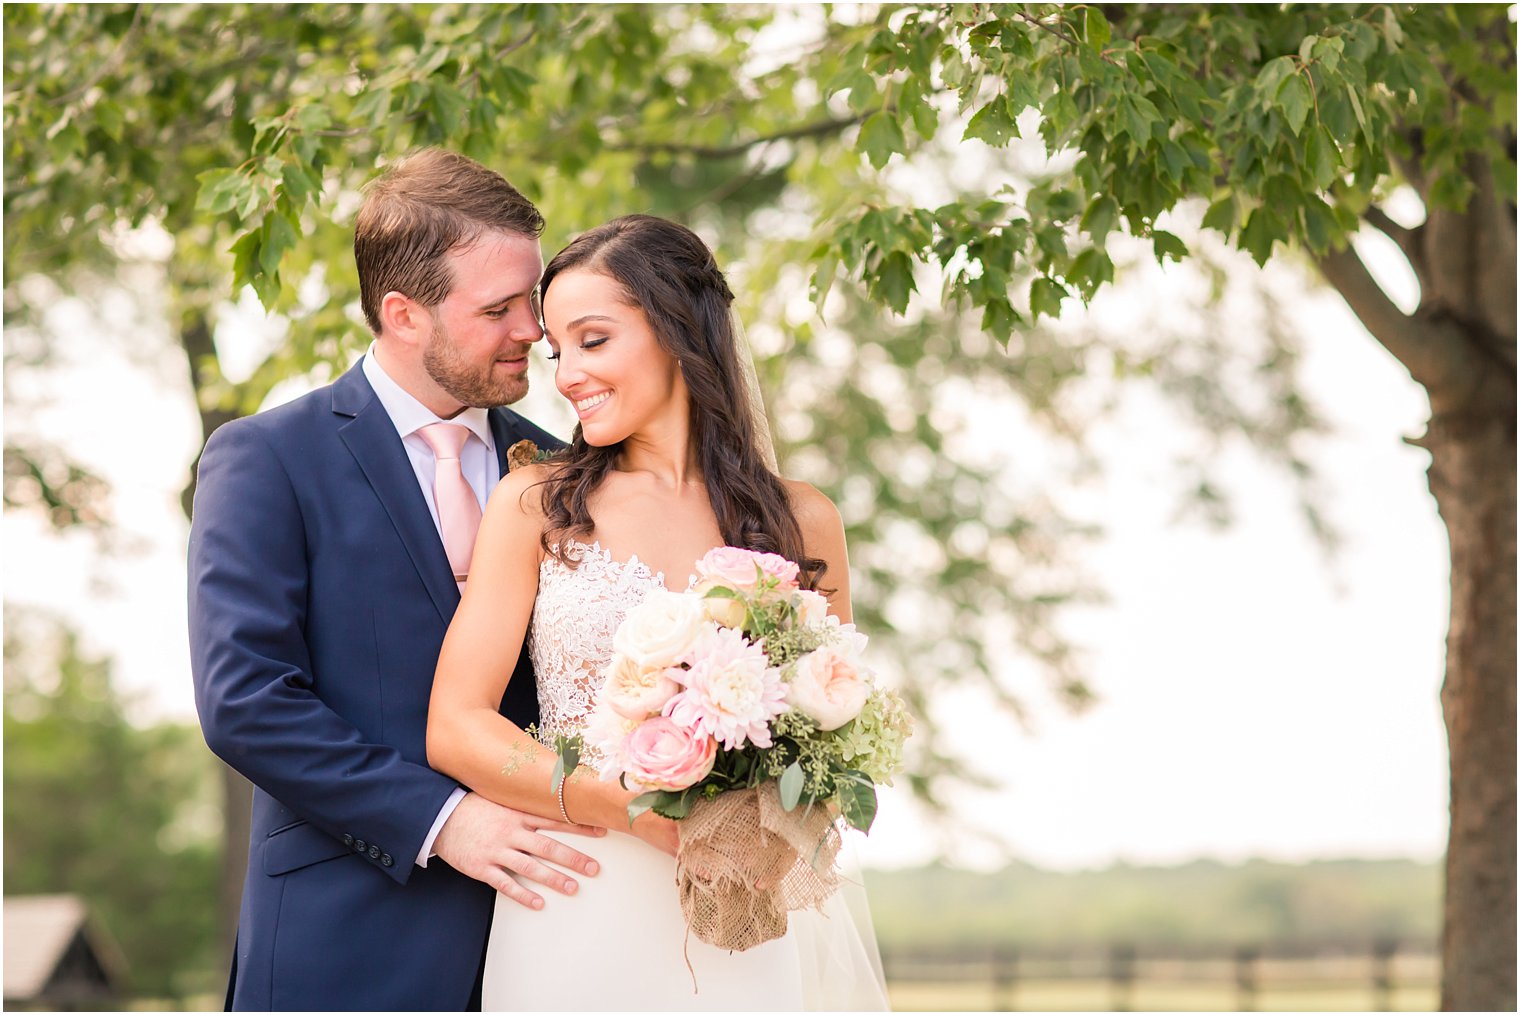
252 667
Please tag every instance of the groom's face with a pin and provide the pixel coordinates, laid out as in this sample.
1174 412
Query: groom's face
483 329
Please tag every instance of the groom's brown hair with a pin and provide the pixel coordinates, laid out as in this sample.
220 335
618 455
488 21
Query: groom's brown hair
424 206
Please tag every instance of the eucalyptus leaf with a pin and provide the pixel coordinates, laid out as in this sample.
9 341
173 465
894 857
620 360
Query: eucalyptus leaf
791 786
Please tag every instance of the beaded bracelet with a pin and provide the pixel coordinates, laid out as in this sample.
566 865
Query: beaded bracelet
561 797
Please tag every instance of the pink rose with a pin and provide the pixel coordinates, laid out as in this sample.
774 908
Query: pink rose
661 755
736 568
828 687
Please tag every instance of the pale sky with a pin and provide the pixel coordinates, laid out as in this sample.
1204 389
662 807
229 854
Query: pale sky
1256 698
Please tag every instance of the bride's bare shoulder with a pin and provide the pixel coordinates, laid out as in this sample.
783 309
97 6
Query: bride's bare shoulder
815 512
521 490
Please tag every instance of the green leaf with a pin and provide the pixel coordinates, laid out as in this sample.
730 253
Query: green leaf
1095 29
279 236
109 116
1294 99
1222 214
1356 107
823 278
674 806
300 182
993 124
1273 74
373 106
1099 218
220 190
791 786
895 282
881 137
449 108
998 320
1258 235
1323 158
643 802
857 798
1166 245
1045 297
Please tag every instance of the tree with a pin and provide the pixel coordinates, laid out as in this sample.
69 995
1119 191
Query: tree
254 130
124 816
1294 125
126 121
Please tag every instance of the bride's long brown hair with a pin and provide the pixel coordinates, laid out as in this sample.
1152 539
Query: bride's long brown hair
666 271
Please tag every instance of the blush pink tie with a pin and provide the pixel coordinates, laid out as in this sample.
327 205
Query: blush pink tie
458 509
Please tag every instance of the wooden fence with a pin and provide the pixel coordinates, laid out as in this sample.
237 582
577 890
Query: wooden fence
1382 976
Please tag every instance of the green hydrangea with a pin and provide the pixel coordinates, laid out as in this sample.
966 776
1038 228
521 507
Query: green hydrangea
873 742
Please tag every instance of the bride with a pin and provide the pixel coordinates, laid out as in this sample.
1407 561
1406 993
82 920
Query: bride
666 463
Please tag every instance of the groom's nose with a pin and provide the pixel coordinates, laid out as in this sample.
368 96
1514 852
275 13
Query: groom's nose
526 327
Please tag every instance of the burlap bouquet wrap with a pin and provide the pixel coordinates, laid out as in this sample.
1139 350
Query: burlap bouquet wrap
745 863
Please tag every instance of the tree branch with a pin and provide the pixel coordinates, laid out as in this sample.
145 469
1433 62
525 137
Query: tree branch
817 129
1434 356
110 63
1407 239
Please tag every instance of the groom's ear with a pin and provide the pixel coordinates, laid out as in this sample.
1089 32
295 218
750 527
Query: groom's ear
405 318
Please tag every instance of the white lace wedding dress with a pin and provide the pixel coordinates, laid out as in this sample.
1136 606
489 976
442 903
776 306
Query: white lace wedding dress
620 943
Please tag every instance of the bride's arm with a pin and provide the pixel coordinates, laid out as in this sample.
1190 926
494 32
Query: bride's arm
467 738
823 537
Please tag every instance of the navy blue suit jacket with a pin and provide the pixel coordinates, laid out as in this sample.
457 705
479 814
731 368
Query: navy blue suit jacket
319 597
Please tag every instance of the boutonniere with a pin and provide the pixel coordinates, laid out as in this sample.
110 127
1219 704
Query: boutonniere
525 453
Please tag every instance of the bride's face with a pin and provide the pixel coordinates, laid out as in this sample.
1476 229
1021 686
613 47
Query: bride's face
608 363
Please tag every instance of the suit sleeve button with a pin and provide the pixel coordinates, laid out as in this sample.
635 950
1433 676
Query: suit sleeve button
385 860
348 840
359 845
374 852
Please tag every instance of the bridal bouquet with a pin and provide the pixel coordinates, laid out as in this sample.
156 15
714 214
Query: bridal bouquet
745 712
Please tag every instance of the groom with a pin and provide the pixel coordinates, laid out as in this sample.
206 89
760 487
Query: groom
330 540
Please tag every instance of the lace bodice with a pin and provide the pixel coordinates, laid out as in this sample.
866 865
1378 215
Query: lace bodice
570 636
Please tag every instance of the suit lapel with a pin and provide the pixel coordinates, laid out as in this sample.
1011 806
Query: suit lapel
504 435
371 438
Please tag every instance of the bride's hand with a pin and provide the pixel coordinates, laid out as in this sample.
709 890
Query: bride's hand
661 833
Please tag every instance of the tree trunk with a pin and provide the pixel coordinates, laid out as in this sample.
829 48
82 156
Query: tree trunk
237 793
1460 346
1472 475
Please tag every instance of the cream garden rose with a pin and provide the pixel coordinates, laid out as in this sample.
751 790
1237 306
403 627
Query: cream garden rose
660 630
636 692
829 686
720 610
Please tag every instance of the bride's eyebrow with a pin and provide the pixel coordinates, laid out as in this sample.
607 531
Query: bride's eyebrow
587 318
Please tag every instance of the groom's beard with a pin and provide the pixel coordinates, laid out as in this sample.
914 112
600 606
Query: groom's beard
469 384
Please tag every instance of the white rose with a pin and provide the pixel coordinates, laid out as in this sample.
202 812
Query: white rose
660 630
829 687
634 692
812 608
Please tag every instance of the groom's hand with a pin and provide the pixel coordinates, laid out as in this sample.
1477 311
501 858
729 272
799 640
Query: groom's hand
490 842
